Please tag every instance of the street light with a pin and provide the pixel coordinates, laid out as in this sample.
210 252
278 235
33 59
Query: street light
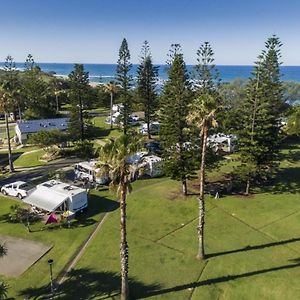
50 262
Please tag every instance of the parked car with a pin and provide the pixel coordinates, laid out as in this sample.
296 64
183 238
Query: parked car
18 189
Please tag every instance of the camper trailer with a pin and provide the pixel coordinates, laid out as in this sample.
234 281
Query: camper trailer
56 196
88 171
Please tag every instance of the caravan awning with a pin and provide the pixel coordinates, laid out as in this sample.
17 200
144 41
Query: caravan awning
45 199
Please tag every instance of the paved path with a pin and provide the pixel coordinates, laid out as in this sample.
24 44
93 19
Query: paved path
28 174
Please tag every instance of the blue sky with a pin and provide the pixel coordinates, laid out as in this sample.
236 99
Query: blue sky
90 31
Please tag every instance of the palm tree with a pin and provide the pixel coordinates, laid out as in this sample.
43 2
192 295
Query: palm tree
112 89
202 114
114 156
4 106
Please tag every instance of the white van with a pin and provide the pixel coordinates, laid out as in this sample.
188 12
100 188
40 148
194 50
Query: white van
87 170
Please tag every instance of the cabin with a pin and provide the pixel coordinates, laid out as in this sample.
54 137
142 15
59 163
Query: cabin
57 196
24 128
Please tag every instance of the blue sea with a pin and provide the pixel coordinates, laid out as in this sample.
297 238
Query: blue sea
106 72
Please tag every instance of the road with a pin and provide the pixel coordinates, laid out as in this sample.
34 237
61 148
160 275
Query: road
28 174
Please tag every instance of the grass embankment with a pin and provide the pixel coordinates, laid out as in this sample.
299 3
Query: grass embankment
65 242
252 245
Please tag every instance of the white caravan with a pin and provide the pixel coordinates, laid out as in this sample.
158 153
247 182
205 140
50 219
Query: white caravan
88 171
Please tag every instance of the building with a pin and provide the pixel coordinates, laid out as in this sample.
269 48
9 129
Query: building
24 128
56 196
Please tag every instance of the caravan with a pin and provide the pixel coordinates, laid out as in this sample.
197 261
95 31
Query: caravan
56 196
88 171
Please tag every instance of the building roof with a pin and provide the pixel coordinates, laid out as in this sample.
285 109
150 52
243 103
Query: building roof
32 126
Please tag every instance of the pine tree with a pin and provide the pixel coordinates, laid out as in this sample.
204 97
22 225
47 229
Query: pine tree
146 85
79 87
203 115
9 95
35 92
124 80
175 137
259 134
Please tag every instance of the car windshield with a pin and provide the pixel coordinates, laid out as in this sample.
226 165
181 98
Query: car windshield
25 187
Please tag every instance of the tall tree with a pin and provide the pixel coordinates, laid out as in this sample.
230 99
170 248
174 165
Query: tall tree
147 75
12 85
293 123
9 94
202 114
179 163
79 87
112 89
260 123
114 156
124 80
35 92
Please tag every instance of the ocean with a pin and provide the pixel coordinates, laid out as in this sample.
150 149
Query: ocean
105 72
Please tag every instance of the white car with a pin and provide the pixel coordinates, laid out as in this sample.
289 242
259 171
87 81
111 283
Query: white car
18 189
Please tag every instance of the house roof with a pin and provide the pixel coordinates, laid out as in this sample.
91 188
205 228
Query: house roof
31 126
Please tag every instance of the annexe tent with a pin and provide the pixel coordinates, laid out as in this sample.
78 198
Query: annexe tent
45 199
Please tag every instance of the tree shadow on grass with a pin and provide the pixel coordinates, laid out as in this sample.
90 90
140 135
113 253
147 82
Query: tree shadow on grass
87 284
287 181
221 279
255 247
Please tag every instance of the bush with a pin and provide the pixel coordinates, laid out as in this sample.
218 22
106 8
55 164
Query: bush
84 149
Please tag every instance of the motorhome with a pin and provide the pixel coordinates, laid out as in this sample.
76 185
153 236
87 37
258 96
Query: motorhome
88 171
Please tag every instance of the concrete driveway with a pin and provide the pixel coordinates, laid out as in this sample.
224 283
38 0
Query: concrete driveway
21 254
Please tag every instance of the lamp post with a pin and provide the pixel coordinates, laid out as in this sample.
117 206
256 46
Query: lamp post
50 262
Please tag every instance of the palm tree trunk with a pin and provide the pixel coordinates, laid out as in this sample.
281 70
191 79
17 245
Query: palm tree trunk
57 103
81 119
148 129
11 166
247 187
111 105
123 243
184 188
201 252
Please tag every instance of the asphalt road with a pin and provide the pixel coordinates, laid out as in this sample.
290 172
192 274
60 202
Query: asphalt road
32 173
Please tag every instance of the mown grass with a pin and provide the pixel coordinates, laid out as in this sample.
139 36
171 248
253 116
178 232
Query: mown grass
65 242
32 159
252 245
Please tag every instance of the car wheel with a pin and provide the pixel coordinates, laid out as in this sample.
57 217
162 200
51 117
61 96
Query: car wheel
20 196
4 192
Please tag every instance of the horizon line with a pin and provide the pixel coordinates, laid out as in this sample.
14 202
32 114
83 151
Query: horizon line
156 64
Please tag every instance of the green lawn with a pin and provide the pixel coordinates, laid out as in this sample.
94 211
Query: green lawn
30 159
65 242
102 130
252 243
